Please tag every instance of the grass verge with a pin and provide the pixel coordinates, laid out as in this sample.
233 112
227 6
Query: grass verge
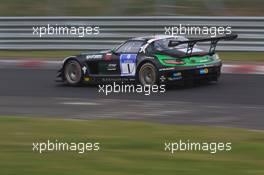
127 148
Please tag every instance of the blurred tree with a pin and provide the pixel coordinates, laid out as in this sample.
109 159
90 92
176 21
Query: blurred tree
130 7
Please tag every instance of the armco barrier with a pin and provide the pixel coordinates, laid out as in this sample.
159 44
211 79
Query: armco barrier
16 32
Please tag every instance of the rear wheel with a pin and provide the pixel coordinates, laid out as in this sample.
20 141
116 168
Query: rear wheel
73 73
147 74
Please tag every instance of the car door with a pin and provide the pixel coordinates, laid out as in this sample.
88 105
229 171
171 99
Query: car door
126 55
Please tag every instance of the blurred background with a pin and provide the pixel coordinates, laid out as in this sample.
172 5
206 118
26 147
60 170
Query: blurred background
16 39
131 7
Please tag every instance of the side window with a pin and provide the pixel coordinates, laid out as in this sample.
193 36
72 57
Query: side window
130 47
150 49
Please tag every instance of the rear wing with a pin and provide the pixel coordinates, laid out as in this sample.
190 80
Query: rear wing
191 43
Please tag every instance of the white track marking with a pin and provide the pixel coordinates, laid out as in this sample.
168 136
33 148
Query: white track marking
80 103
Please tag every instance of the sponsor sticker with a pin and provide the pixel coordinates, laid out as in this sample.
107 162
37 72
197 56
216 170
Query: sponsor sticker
204 71
111 67
88 57
128 64
176 76
162 78
167 68
87 78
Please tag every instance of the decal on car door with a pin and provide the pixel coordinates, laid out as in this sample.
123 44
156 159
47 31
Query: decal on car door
128 64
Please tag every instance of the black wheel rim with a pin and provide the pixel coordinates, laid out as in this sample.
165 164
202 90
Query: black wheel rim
147 75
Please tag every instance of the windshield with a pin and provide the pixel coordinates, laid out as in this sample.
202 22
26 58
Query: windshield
162 44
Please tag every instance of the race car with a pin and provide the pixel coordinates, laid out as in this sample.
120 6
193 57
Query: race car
146 60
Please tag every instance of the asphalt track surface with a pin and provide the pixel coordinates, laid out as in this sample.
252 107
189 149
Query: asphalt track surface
235 101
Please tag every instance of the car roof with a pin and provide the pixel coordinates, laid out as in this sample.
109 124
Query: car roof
153 38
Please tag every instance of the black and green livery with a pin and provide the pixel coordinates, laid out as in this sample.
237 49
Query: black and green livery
146 60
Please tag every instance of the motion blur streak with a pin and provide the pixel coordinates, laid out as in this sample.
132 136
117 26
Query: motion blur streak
128 7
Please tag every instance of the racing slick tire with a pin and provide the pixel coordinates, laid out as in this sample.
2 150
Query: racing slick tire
148 74
73 74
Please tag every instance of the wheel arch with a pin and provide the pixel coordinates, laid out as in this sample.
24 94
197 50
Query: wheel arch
143 62
66 60
75 58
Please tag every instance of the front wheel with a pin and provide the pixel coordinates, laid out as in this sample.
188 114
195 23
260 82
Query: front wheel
73 73
147 74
